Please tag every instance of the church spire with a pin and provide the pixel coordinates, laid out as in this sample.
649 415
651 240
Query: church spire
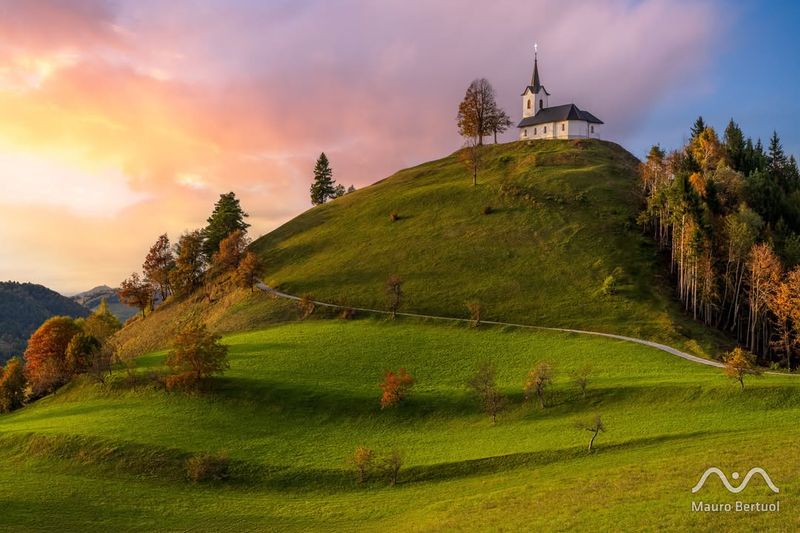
535 78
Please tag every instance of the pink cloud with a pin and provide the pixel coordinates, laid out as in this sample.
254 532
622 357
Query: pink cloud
191 101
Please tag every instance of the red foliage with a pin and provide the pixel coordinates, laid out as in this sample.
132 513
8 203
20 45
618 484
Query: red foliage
45 358
396 387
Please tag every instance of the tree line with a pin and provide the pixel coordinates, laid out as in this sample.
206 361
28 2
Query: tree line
727 211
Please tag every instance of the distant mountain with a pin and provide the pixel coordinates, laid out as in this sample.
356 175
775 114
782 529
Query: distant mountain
91 299
23 308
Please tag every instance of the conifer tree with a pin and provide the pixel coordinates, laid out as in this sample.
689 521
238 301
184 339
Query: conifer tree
226 218
323 187
698 127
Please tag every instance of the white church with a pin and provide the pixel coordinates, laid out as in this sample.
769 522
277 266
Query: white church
540 121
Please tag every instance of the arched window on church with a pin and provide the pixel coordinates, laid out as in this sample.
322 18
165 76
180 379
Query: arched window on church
529 103
541 103
592 129
534 131
544 130
562 126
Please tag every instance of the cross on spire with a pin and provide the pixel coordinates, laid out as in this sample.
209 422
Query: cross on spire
535 78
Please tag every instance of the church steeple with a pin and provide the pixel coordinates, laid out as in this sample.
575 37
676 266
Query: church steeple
535 78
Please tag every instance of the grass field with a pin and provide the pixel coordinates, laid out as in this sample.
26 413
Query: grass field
563 219
299 397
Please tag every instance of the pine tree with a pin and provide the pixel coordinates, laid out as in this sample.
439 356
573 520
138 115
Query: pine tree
698 127
226 218
734 144
323 187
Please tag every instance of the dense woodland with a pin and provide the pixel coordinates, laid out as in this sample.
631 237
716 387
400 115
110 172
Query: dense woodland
727 211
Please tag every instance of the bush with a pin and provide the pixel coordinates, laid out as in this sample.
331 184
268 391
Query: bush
347 313
306 305
396 387
197 355
394 217
609 286
488 210
475 313
206 467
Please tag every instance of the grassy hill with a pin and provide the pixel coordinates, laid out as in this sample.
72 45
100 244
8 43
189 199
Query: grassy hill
23 308
300 397
562 221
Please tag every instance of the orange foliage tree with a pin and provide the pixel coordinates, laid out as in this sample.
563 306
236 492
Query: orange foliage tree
12 386
197 355
396 387
46 365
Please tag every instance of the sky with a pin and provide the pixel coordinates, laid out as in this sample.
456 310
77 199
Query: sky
122 120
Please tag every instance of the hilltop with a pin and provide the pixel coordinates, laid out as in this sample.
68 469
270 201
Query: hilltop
23 308
548 237
91 299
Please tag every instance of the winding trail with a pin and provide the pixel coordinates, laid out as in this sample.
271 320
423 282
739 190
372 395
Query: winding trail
663 347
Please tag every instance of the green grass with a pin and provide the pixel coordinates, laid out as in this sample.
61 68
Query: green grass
299 397
539 258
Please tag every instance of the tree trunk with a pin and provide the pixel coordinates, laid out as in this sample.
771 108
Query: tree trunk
591 442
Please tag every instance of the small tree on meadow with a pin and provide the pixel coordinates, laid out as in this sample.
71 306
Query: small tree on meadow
484 386
476 110
394 292
197 355
158 265
539 378
595 426
362 461
306 305
738 364
230 253
187 276
12 385
499 122
580 377
395 386
227 217
81 351
136 292
390 466
472 158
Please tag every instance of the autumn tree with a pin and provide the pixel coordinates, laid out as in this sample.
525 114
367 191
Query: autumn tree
187 276
475 313
197 355
12 385
158 266
46 366
362 461
483 385
136 292
394 292
80 353
231 251
738 364
539 378
594 426
471 157
227 217
323 187
476 110
246 275
764 274
395 386
102 323
390 465
784 305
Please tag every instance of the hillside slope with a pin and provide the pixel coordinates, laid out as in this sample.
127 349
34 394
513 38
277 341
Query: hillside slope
562 221
23 308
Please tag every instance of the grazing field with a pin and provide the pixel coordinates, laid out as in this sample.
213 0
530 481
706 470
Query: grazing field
300 397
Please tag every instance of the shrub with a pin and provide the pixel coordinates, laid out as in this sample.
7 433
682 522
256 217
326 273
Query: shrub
206 467
390 467
306 305
396 387
475 312
347 313
485 388
394 217
580 377
487 210
609 286
394 292
362 461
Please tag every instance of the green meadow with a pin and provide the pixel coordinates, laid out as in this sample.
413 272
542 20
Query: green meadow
300 397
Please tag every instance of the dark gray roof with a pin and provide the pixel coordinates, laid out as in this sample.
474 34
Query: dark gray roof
535 84
535 90
557 114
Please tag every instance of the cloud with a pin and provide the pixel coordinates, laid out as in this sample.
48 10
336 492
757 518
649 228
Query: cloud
174 104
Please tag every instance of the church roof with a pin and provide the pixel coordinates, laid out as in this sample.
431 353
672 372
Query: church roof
535 85
557 114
